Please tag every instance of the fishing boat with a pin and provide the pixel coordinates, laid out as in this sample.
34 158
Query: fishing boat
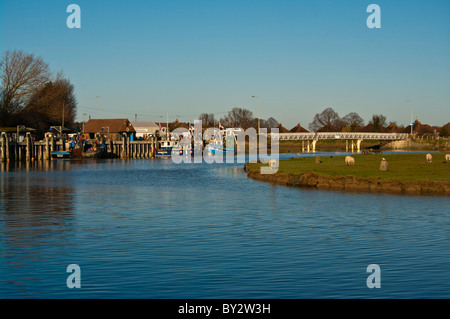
216 147
185 150
165 148
86 151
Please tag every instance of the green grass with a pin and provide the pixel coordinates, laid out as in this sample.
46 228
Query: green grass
296 146
411 167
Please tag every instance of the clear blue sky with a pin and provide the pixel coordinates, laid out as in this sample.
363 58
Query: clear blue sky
192 56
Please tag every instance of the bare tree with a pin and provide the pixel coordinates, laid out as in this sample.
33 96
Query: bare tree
327 121
243 117
379 122
239 117
208 120
21 74
270 123
353 120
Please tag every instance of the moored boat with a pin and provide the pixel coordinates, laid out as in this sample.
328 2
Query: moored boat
62 155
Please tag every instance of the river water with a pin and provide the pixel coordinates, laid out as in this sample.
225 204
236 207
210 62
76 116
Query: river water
155 229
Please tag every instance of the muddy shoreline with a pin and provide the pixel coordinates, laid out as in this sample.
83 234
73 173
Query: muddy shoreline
353 183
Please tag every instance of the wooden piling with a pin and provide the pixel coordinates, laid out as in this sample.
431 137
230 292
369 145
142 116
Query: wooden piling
29 147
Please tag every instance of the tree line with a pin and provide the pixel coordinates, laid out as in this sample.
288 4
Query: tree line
238 117
330 121
32 95
326 121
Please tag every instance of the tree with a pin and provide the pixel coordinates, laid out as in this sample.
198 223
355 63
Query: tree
208 120
443 132
53 104
271 123
21 75
327 121
353 120
239 117
379 122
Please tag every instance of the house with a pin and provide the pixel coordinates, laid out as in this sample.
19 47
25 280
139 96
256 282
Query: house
145 128
108 128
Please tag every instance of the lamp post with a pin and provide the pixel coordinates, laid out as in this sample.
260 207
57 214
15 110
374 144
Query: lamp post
259 108
99 106
63 114
411 124
83 121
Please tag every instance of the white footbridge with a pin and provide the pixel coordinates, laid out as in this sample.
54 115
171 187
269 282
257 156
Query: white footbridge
354 137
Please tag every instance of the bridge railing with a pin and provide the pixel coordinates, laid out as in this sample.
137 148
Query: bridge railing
343 136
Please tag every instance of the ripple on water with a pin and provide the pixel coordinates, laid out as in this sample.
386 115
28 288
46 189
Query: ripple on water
154 229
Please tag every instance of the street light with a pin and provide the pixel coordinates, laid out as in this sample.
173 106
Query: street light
259 107
83 121
411 116
99 106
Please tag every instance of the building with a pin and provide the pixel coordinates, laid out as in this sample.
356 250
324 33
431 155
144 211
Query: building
108 128
145 128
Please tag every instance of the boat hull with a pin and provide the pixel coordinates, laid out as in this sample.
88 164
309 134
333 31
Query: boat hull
163 153
62 155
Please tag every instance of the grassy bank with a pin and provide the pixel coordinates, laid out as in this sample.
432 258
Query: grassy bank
323 145
407 173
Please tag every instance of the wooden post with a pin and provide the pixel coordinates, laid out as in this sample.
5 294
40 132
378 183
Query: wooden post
52 144
314 145
19 152
3 150
47 149
39 151
124 147
7 147
29 147
383 165
318 159
16 149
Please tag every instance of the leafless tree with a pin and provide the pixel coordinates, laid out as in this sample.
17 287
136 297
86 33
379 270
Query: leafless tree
239 117
270 123
327 121
208 120
379 122
20 74
353 120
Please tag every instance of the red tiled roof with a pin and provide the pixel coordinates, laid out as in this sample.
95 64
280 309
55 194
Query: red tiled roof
299 129
109 125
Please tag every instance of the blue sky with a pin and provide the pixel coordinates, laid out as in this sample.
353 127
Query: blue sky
194 56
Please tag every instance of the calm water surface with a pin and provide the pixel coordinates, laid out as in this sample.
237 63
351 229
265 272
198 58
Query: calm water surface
155 229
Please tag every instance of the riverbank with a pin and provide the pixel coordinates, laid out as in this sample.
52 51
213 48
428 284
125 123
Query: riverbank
406 174
341 145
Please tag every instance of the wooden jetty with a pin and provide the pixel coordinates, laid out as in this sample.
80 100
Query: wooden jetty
30 150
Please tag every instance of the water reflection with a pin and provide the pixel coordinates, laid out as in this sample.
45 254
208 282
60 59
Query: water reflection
37 215
154 229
